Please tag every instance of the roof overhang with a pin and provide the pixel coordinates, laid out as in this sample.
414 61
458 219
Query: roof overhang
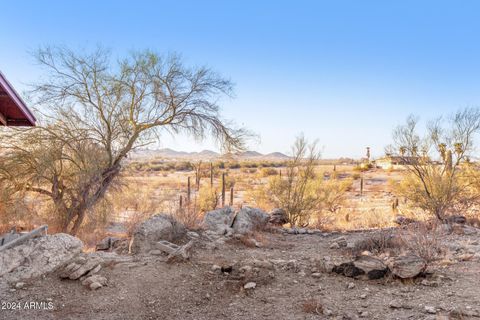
13 111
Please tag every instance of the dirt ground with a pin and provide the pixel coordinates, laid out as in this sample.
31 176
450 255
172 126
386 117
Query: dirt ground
150 288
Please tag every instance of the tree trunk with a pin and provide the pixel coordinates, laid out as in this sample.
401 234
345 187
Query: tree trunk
78 222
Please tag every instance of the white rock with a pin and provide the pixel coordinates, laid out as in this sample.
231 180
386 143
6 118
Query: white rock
430 309
250 285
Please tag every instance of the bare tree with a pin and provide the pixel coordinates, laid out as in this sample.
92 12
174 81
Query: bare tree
96 111
437 162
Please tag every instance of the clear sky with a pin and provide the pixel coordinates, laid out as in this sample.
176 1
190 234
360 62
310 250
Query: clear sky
342 72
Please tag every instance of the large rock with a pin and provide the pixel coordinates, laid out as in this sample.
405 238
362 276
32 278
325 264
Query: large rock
278 217
38 256
219 221
158 227
408 266
373 267
249 220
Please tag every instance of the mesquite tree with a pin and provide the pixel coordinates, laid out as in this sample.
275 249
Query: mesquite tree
95 111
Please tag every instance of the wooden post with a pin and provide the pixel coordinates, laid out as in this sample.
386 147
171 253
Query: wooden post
188 190
198 175
361 186
334 167
181 202
211 174
231 196
223 189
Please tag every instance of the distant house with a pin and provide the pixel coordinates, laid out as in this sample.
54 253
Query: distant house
13 111
390 162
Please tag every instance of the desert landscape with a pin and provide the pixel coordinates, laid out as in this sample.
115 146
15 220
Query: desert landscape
239 160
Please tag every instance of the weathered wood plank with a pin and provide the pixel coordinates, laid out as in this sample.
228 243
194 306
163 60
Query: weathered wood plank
39 231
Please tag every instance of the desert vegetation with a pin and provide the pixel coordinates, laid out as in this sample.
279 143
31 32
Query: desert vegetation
332 219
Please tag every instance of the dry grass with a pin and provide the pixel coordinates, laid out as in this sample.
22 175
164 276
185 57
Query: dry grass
378 242
312 306
423 239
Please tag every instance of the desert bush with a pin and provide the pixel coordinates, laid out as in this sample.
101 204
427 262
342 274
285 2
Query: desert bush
267 172
423 239
363 167
437 162
378 242
189 216
249 170
183 166
356 176
233 165
296 191
208 199
333 193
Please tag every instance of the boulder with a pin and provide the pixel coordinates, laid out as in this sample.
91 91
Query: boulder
159 227
249 220
401 220
348 269
38 256
106 244
374 268
456 219
278 217
408 266
219 221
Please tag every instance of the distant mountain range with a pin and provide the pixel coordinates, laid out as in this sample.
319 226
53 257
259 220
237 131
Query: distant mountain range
205 154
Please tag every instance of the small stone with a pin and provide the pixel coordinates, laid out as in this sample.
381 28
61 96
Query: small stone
395 304
327 312
334 246
351 285
250 285
20 285
216 267
192 235
246 269
363 296
95 286
364 314
316 275
430 309
155 252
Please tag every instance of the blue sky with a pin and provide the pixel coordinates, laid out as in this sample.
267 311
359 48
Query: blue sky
342 72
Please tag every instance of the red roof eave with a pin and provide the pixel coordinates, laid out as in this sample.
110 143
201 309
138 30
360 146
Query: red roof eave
28 117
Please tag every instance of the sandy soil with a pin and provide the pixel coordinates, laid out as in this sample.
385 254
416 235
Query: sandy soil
150 288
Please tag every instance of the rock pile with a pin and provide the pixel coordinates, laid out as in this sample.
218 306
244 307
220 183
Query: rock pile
38 256
86 266
226 222
113 244
157 228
